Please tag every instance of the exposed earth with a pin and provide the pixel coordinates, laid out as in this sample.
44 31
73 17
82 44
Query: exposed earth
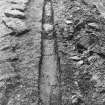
80 40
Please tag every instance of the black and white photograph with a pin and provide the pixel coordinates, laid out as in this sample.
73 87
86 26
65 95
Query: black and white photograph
52 52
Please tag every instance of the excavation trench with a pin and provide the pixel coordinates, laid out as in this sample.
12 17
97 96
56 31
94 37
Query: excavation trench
49 76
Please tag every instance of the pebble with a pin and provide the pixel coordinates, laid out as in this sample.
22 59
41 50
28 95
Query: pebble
21 7
80 63
75 58
93 25
48 27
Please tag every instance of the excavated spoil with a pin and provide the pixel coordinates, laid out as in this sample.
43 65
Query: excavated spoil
80 33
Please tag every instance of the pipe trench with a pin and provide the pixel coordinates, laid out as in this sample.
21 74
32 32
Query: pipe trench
49 77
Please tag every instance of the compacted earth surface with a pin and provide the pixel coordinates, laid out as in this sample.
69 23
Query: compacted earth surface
79 26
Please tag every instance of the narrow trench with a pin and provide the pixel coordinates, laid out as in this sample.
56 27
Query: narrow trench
49 37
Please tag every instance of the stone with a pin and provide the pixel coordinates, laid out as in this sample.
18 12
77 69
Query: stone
75 58
15 14
93 25
15 24
67 21
18 1
19 7
4 31
79 63
48 27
